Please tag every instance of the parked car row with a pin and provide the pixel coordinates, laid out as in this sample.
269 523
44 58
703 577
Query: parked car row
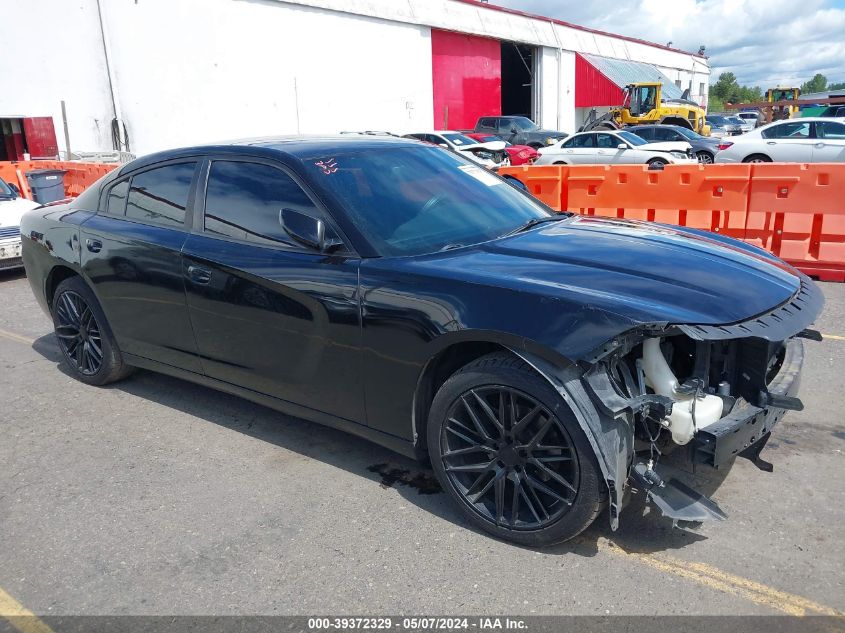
614 147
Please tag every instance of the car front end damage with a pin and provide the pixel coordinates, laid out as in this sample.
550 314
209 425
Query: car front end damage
704 394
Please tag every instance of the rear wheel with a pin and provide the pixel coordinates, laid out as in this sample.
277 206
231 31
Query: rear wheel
510 452
84 336
757 158
704 158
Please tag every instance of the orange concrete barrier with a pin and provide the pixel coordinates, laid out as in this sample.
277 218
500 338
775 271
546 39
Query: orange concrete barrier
544 182
796 211
78 178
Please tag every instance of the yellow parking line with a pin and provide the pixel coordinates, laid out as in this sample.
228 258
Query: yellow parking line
833 337
19 616
714 578
16 337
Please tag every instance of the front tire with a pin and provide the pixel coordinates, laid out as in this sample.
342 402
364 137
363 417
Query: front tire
507 448
84 336
658 161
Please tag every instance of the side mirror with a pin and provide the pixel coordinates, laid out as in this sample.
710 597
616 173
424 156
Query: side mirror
443 145
309 231
14 189
621 146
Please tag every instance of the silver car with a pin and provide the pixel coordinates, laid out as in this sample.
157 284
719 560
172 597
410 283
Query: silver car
721 126
806 140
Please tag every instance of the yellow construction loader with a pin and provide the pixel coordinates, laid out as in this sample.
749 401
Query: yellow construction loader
783 94
644 104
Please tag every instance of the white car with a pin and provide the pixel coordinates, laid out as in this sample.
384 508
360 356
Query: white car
592 148
809 140
488 155
12 207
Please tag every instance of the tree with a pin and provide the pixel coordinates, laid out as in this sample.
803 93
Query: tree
839 86
817 84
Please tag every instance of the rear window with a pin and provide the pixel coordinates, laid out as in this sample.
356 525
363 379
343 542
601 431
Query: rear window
160 195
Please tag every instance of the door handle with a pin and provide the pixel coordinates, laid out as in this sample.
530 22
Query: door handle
819 144
95 246
770 143
198 274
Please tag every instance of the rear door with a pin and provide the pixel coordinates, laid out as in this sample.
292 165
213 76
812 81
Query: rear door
131 252
580 150
269 314
830 142
789 142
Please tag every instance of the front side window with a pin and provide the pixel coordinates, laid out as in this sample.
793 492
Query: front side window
830 130
116 201
791 130
414 200
160 195
245 201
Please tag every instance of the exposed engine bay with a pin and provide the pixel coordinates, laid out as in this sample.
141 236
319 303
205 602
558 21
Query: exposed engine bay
705 395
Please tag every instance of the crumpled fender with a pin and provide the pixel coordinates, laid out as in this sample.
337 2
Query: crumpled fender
612 438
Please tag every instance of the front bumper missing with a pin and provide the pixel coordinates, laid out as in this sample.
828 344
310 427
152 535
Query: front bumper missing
747 427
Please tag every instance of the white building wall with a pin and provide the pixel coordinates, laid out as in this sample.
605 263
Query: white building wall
52 51
253 68
194 71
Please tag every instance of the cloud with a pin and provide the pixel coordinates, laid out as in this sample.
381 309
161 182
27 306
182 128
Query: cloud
762 43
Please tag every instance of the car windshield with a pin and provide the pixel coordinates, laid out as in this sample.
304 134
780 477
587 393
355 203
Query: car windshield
459 139
718 120
5 190
411 201
523 124
632 138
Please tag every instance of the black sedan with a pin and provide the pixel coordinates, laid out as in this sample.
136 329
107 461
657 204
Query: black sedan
704 147
544 364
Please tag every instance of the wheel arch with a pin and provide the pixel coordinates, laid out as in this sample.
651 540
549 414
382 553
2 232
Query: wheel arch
57 275
452 352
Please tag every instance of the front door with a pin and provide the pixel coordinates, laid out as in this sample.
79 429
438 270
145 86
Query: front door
131 252
269 314
789 142
830 142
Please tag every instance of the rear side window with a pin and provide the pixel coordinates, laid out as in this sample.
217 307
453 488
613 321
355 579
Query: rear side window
489 123
245 201
584 140
116 201
160 195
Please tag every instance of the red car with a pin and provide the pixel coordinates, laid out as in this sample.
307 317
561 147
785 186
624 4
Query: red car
519 154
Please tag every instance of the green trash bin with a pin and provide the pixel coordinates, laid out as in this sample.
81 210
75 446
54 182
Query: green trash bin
47 185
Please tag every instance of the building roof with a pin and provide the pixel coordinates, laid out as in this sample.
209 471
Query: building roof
623 72
485 5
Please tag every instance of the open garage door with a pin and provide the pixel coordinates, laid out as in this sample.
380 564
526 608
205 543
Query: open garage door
467 76
519 84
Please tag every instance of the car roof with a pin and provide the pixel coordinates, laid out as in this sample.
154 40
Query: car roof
299 147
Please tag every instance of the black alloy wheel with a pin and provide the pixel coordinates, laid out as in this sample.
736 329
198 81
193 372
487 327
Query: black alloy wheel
509 450
84 336
79 333
509 458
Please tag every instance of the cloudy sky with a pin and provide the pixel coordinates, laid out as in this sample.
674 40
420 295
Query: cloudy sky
763 42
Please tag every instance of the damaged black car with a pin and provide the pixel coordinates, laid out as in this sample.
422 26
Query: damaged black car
544 364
